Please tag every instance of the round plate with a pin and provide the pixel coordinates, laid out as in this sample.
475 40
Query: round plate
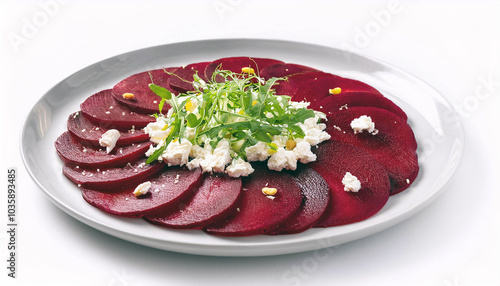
436 126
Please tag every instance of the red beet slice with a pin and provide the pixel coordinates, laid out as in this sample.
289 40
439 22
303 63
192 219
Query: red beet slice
335 102
316 197
102 110
282 70
145 100
183 78
290 86
74 153
314 90
167 190
235 64
334 160
80 127
394 146
107 179
214 199
256 213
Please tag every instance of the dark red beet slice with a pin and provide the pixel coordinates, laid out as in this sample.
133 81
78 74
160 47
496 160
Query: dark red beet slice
290 86
335 102
334 160
183 78
107 179
316 196
214 199
235 64
282 70
167 191
256 213
145 100
74 153
103 110
314 90
80 127
394 146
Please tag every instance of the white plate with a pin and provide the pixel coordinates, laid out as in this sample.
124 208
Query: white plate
436 126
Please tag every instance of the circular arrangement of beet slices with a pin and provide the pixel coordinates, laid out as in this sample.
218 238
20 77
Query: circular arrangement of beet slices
385 163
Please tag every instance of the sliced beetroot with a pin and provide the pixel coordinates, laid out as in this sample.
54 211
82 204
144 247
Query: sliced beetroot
290 86
145 100
80 127
167 191
256 212
214 199
182 80
235 64
335 102
334 160
285 69
316 89
103 110
110 178
74 153
316 197
394 146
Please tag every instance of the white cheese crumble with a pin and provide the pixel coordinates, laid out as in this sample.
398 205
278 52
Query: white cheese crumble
363 123
142 189
282 159
177 153
109 139
303 153
157 130
238 168
351 183
257 152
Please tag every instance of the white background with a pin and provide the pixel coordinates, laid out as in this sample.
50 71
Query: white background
453 45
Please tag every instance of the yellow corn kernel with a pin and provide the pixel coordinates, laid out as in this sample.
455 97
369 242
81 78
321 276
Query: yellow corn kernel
254 102
248 70
334 91
290 144
128 95
189 106
269 191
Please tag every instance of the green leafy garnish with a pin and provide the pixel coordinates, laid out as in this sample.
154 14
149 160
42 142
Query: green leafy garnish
242 108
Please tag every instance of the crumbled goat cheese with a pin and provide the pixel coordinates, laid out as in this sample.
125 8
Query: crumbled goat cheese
303 152
282 159
351 183
157 130
109 139
363 123
177 153
239 168
142 189
257 152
